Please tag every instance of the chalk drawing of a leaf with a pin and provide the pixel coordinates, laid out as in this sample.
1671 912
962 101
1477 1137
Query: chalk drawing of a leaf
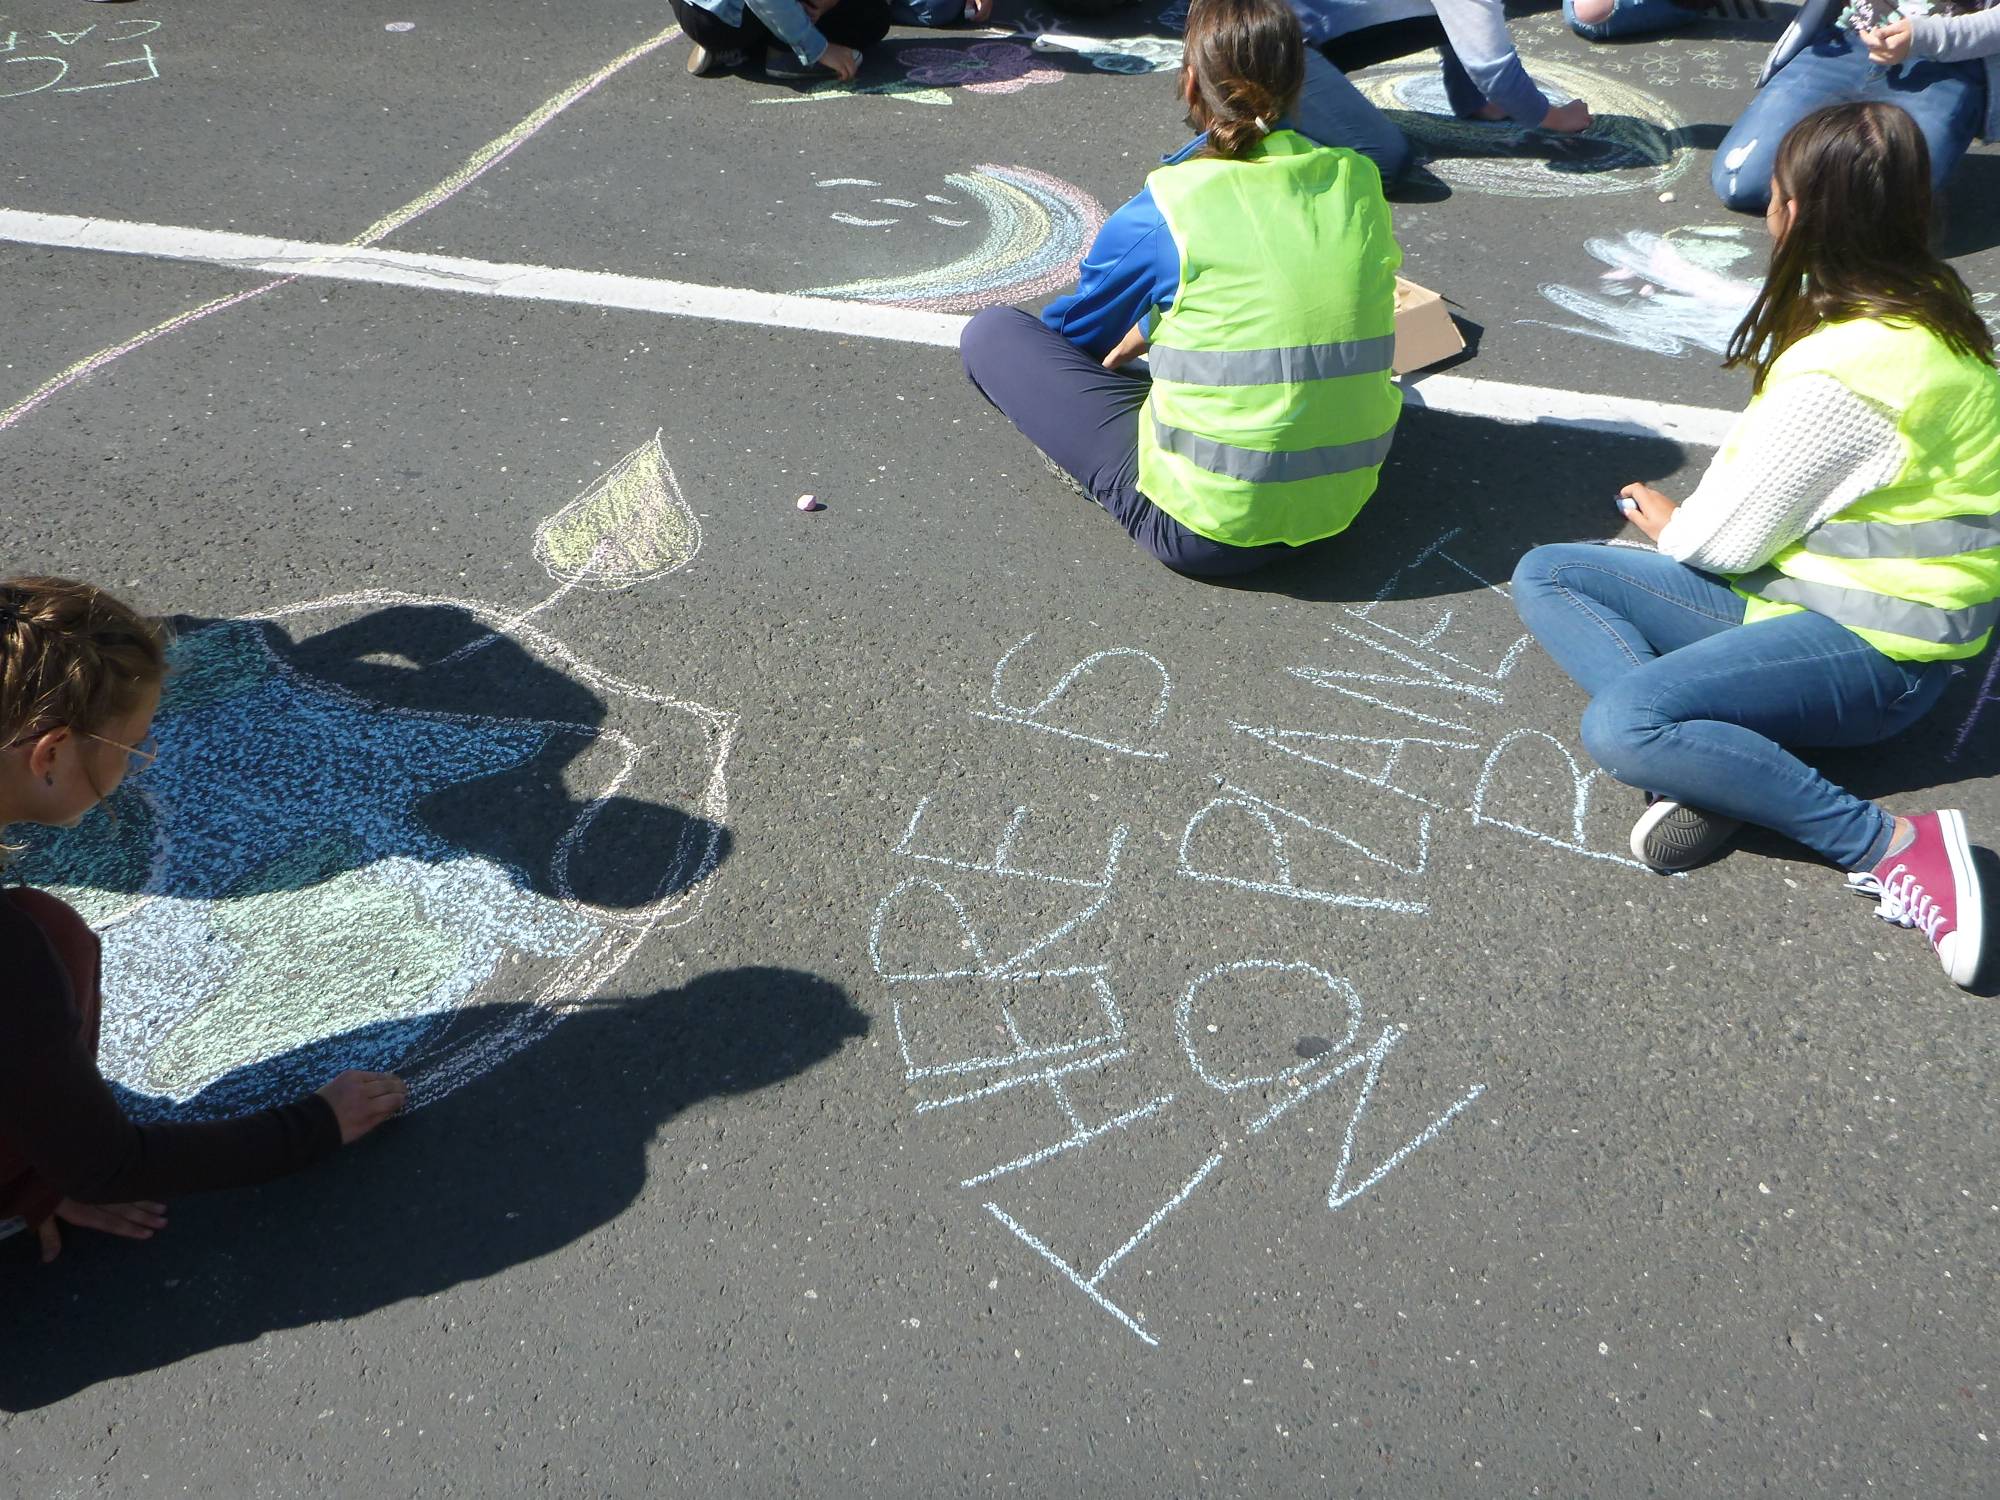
629 526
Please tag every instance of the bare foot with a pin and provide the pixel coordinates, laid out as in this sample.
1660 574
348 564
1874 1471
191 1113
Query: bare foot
978 12
1491 112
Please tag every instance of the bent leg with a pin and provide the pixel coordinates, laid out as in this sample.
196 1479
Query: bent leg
707 30
1708 725
1948 102
1084 417
1602 20
1333 112
859 24
1830 71
1603 612
1085 420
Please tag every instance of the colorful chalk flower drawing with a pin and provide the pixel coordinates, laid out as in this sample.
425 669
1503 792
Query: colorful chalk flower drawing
1635 145
362 848
1664 293
1038 228
982 67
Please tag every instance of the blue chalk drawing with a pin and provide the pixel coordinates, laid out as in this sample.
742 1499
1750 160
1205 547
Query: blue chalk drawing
276 900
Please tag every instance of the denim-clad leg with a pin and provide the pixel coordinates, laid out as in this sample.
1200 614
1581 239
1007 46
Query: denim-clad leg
1333 112
1947 101
1086 419
1632 18
1460 92
1689 702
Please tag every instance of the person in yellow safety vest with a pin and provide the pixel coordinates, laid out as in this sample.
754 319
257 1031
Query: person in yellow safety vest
1260 271
1840 554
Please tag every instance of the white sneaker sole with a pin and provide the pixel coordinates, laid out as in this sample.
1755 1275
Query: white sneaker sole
1670 850
1960 951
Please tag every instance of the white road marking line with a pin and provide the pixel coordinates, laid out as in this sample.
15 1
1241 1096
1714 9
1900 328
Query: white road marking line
1458 395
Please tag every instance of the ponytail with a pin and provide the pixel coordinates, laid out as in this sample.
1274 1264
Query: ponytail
1246 59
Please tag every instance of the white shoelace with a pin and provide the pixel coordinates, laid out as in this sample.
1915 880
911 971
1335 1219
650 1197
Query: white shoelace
1901 900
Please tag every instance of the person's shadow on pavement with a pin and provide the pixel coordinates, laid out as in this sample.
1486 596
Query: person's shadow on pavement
540 1151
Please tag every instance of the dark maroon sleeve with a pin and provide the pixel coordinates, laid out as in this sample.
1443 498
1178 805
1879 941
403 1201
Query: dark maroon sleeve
60 1119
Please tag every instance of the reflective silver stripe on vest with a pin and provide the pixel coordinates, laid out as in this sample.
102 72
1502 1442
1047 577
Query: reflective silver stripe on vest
1293 366
1865 611
1946 538
1254 466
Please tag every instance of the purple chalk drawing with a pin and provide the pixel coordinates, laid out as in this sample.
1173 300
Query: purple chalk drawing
983 67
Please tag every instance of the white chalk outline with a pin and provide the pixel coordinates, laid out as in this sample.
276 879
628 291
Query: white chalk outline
1184 1021
1260 810
1010 713
1579 805
1365 612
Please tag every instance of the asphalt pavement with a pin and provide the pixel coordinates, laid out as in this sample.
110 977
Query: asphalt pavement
910 997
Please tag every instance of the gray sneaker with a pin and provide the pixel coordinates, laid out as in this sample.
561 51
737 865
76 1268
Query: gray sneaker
1671 836
702 62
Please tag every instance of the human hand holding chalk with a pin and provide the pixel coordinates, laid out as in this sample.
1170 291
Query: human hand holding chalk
1646 508
844 62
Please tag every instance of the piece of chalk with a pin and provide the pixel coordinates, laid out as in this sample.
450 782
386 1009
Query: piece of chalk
1646 290
401 26
807 502
1626 502
1666 197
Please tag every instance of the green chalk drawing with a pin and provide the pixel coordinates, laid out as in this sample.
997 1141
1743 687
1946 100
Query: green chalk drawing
630 526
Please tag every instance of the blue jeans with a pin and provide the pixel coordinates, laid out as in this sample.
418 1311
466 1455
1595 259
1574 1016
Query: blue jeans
1688 701
1333 112
1632 18
1085 419
1947 100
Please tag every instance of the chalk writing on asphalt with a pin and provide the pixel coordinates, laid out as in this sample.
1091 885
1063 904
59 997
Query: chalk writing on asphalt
1003 938
105 55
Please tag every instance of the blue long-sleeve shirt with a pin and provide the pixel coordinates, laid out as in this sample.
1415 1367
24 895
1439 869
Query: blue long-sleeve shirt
1131 273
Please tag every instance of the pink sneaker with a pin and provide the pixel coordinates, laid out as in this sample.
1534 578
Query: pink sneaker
1933 886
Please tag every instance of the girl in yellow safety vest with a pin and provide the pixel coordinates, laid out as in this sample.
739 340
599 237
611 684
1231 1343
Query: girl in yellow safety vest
1259 270
1838 556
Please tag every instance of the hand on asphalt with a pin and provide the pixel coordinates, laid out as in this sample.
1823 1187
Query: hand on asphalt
361 1101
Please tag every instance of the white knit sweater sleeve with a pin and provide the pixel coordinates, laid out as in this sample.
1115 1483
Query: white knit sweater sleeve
1802 455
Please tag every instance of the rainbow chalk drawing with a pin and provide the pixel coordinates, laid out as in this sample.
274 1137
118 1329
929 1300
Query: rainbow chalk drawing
279 897
1634 146
1038 227
1666 294
482 161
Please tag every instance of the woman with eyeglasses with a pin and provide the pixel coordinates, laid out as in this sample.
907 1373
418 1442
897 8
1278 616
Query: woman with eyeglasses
80 679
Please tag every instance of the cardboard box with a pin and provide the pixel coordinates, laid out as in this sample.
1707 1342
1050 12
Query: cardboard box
1425 333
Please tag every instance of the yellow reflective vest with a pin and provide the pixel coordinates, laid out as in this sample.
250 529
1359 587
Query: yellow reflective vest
1913 568
1272 405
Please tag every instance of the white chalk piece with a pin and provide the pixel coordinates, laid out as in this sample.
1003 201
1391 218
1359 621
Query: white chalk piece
401 26
807 502
1666 197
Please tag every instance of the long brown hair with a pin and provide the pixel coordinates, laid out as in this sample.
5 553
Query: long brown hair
1858 177
71 655
1248 61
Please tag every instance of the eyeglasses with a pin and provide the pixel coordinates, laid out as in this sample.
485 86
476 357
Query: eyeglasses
143 754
